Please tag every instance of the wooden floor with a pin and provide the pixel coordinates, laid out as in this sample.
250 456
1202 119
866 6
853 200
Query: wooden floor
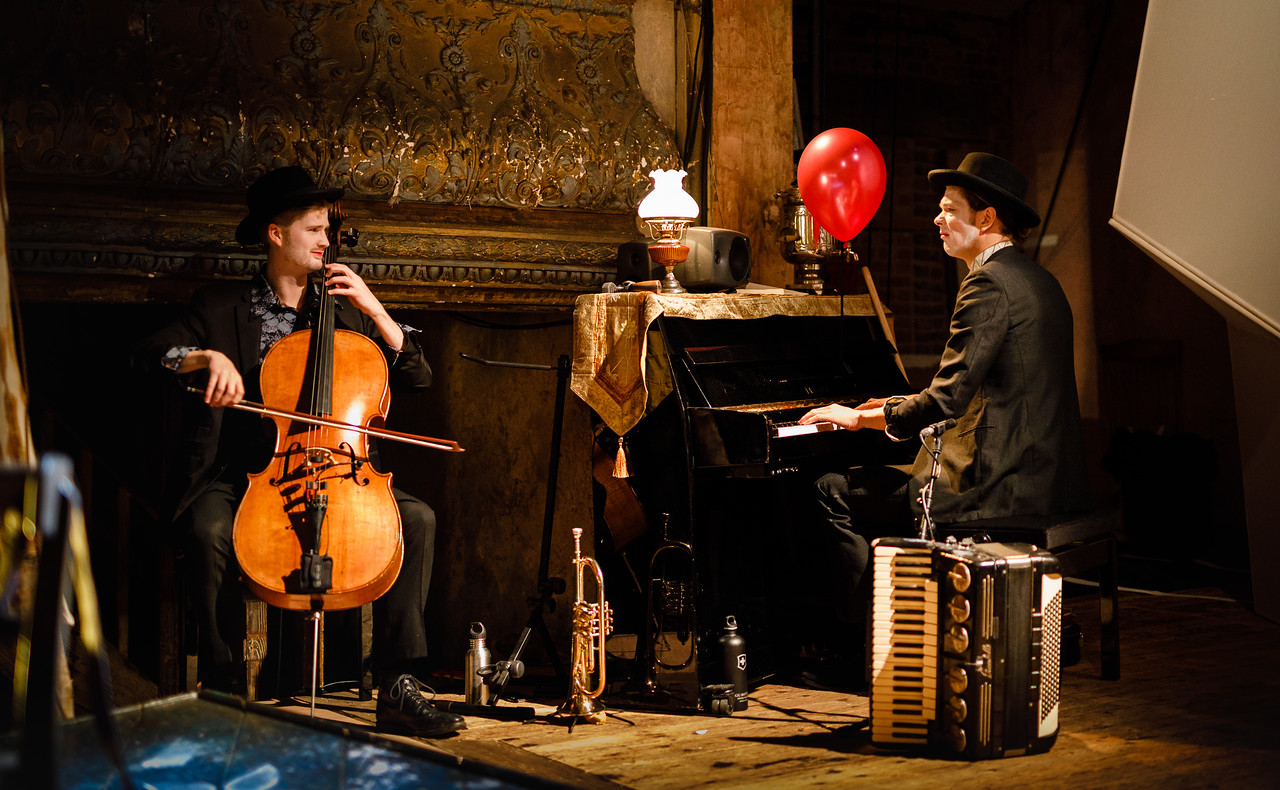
1197 707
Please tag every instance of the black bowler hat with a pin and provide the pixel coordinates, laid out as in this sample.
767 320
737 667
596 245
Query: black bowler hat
276 191
995 179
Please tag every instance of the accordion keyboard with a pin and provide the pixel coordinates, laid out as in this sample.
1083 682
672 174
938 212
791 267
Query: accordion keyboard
903 650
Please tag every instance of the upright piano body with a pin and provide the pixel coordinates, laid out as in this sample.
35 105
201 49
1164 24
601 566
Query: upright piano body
723 476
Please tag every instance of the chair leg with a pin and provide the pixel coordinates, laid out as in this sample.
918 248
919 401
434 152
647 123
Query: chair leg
1109 610
366 652
173 662
255 642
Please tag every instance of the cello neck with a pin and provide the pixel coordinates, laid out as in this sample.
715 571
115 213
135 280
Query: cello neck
322 336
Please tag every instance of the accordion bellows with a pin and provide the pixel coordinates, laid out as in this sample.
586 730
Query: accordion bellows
964 649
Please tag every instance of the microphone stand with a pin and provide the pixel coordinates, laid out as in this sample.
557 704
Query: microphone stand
926 493
548 585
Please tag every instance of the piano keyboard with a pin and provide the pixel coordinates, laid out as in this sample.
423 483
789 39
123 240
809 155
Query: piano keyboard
783 430
904 639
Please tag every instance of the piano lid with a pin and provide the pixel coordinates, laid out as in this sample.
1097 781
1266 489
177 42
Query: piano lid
782 363
738 380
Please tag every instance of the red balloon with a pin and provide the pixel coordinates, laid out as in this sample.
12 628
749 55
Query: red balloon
841 176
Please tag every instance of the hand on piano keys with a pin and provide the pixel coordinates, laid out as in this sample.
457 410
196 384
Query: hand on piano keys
783 430
869 414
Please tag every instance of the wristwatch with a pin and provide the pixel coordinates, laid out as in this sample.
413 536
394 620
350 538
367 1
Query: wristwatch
890 405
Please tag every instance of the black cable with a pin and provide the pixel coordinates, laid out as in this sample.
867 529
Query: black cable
1075 127
693 111
893 142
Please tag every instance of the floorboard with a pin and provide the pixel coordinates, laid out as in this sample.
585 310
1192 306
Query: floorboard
1195 707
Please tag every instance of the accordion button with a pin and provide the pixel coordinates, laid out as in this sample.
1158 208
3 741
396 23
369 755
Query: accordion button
957 639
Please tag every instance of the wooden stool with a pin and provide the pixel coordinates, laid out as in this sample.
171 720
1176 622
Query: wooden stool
178 667
1081 542
312 639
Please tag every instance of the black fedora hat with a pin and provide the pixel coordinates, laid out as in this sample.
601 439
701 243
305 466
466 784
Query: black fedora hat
276 191
995 179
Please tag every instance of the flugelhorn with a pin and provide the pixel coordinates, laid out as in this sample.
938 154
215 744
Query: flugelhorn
669 611
592 622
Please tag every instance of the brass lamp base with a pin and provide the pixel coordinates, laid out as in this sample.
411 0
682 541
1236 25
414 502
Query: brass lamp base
668 255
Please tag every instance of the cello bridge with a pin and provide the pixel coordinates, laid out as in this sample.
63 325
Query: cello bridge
318 459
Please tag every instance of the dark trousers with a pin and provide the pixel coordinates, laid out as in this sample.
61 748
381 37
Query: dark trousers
399 629
853 508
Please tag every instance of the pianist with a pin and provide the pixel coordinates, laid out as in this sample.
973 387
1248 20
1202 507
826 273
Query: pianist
1006 376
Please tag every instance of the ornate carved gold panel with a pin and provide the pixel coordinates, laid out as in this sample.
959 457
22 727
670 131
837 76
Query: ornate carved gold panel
493 152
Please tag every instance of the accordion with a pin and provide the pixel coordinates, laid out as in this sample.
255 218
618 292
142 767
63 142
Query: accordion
964 647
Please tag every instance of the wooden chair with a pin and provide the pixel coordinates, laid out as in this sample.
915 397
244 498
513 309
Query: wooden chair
1082 542
256 637
178 665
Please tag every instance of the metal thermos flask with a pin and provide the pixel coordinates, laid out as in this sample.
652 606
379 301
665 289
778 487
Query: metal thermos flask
733 652
477 657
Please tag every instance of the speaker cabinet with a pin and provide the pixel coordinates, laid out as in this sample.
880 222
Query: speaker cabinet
719 260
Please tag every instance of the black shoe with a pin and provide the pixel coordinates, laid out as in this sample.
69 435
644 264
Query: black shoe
403 710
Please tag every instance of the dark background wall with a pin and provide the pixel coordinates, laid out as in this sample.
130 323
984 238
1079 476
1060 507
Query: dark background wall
1048 86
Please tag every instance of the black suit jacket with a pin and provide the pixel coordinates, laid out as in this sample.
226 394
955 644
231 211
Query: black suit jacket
226 442
1007 376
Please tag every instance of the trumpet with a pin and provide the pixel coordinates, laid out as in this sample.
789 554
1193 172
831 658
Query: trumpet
592 622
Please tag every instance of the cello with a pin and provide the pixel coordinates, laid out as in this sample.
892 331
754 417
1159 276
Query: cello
319 527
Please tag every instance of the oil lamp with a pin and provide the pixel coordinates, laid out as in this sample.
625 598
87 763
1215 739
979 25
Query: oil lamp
667 211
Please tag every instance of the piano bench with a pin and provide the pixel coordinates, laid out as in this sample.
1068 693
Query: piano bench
1081 542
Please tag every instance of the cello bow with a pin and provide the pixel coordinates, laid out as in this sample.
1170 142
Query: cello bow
447 445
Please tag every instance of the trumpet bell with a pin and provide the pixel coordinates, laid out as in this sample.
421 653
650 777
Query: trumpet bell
580 706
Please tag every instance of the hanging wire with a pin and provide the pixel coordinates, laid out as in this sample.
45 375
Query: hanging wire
694 109
1075 127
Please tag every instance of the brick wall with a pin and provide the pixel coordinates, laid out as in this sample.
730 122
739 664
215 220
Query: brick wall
908 79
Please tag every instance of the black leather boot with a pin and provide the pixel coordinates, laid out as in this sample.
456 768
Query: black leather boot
402 710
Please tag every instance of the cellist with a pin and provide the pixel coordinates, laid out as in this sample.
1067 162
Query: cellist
220 341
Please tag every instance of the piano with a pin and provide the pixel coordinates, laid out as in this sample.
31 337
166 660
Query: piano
744 384
723 473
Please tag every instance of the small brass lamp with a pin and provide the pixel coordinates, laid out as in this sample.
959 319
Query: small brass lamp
667 211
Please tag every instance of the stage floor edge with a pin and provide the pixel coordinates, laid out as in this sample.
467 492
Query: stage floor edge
209 739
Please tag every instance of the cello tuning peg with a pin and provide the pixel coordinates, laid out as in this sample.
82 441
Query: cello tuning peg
350 236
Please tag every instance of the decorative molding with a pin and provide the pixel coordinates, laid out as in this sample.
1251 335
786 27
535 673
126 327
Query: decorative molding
484 144
122 249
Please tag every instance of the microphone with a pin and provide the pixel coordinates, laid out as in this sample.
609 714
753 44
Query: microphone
938 428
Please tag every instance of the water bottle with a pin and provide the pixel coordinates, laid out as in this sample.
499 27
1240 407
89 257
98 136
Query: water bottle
733 654
477 656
